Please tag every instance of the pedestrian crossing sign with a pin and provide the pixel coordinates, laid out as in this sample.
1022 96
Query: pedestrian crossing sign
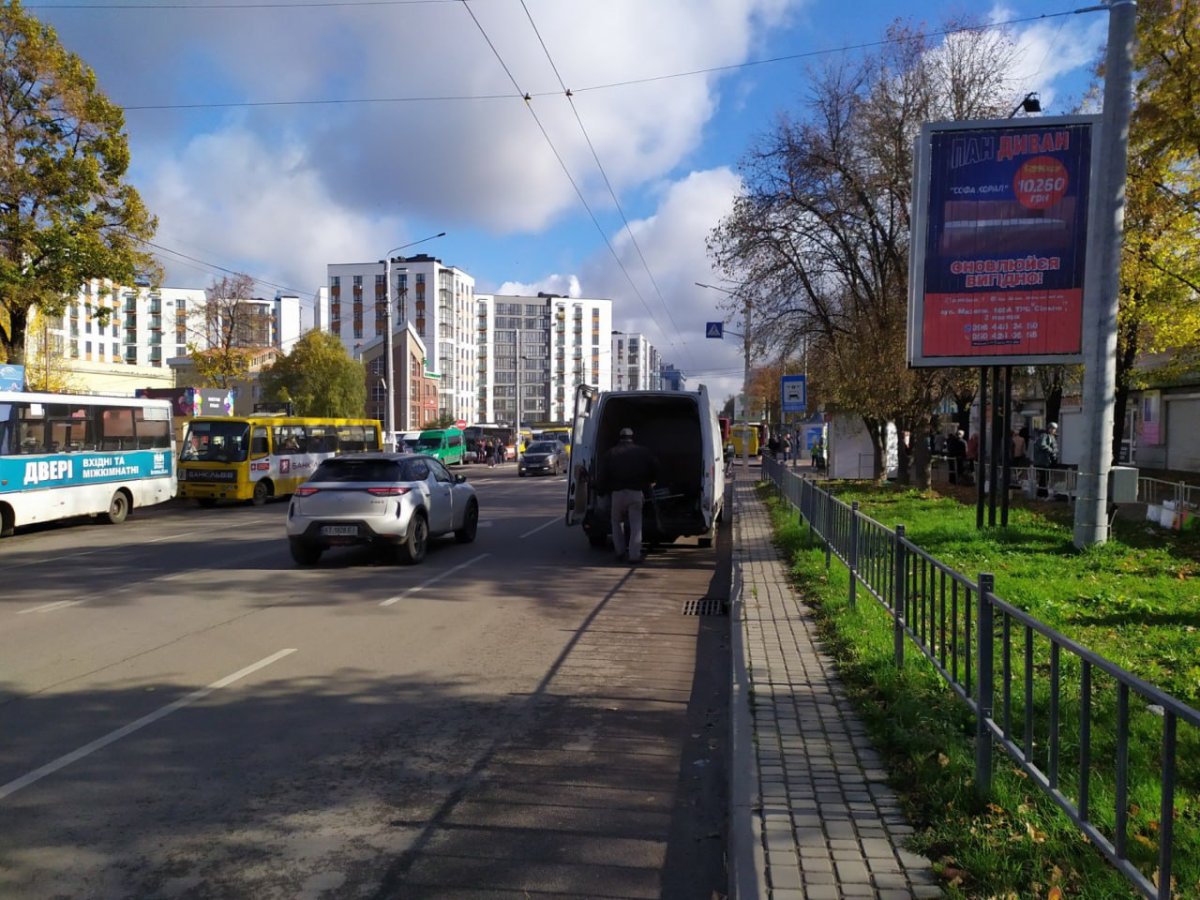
715 330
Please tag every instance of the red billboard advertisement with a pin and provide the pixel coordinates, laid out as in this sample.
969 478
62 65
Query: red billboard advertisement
999 248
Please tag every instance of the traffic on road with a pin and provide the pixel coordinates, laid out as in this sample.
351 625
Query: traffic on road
187 712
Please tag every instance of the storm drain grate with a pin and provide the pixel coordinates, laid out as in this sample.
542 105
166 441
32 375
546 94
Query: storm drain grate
705 606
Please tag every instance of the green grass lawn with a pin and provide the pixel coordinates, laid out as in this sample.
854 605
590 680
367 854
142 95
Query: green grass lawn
1135 601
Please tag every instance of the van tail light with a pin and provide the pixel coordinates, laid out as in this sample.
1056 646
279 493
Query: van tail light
306 491
388 491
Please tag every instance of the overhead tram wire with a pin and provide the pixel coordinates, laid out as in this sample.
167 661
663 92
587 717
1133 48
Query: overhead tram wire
218 268
604 174
436 98
563 165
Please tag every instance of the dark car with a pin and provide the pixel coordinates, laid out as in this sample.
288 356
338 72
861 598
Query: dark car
543 457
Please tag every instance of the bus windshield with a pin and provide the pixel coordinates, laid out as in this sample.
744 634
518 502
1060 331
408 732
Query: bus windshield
216 442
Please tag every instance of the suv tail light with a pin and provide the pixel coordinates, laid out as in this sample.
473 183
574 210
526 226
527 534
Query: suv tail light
388 491
303 491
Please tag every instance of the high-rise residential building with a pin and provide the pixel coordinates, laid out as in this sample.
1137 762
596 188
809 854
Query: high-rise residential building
115 339
541 347
636 364
438 300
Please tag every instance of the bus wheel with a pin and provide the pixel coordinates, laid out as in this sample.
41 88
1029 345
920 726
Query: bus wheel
118 508
7 520
262 490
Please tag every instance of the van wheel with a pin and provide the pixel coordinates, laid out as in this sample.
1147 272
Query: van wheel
118 508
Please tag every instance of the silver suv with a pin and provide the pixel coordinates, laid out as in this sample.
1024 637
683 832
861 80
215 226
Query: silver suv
394 501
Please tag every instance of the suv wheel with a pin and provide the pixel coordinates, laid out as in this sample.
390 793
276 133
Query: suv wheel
470 525
413 550
304 553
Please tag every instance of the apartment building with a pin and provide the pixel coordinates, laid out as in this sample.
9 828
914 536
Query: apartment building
539 348
636 363
438 300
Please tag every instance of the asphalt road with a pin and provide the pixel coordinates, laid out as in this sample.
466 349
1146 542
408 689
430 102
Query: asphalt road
183 713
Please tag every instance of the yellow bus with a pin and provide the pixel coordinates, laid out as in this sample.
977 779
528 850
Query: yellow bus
258 457
744 437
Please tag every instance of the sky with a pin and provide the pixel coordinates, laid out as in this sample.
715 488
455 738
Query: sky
274 137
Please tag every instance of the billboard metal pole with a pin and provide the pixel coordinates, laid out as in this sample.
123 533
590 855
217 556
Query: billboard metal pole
1100 320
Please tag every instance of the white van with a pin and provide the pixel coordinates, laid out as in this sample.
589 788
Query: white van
681 429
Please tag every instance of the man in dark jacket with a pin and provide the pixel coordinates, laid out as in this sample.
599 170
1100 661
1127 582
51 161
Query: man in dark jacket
630 471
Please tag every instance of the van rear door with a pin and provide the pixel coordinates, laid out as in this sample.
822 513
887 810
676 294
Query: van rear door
713 463
581 469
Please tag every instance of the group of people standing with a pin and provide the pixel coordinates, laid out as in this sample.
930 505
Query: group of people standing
963 452
491 452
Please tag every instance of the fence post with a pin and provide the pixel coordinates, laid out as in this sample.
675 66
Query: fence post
809 505
984 651
826 528
899 597
853 554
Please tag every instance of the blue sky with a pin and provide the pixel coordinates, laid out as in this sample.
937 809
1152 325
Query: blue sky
348 127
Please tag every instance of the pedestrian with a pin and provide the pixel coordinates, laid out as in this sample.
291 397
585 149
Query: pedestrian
787 447
489 454
1019 459
1045 453
630 471
972 455
818 452
499 451
956 451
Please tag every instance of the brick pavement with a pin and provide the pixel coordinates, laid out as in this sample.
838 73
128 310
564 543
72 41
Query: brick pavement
812 815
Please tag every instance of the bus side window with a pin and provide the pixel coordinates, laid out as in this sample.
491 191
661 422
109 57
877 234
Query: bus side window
258 443
321 439
350 439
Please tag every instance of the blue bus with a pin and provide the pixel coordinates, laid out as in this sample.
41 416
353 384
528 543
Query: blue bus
65 455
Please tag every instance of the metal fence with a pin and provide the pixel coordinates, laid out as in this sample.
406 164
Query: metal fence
1100 742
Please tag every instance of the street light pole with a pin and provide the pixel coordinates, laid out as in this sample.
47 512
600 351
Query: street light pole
389 411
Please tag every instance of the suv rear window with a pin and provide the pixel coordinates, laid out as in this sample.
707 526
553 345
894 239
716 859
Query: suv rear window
358 470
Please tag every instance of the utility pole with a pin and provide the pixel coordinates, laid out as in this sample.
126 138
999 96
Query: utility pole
1103 291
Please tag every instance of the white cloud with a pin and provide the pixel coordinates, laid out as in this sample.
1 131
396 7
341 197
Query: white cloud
1055 57
672 240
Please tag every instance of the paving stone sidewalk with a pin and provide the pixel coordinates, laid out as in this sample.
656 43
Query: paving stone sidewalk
812 814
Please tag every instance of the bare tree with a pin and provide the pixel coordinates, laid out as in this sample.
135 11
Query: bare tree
820 235
231 329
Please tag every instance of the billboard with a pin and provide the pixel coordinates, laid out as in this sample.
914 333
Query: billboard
999 249
12 377
192 401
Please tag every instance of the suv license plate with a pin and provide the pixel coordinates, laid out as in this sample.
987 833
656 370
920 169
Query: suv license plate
339 530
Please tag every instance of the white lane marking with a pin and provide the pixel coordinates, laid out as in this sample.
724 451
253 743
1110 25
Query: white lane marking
50 768
434 580
540 527
46 607
171 537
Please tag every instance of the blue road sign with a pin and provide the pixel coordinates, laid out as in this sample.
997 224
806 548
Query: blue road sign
714 330
794 390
